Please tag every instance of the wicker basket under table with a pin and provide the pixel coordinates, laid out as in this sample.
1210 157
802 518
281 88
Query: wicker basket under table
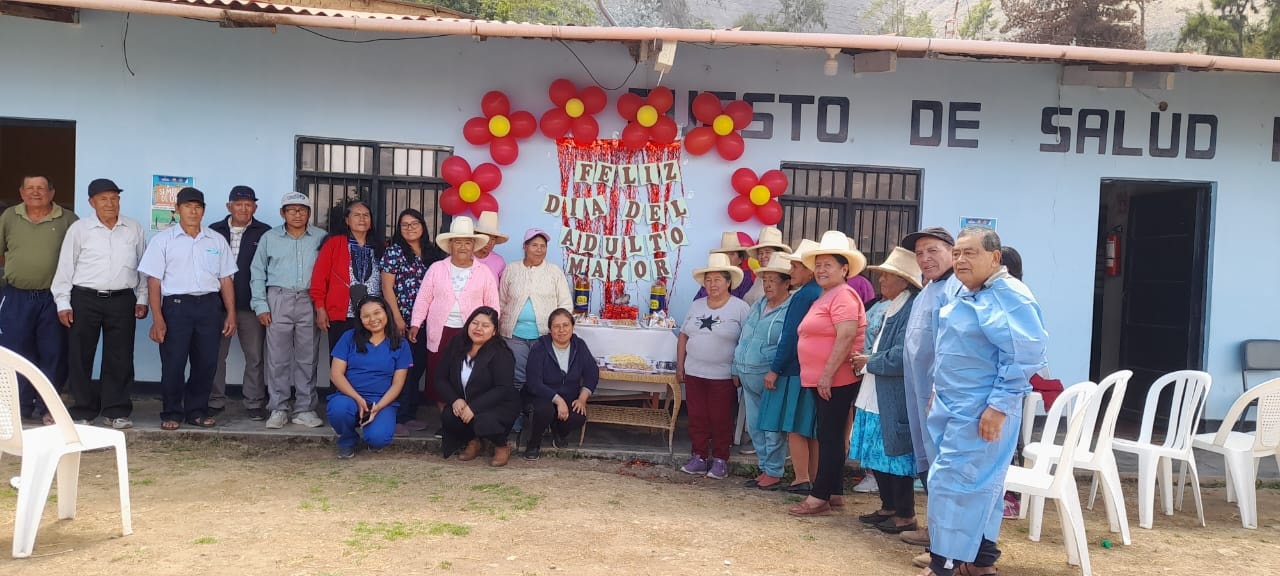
662 417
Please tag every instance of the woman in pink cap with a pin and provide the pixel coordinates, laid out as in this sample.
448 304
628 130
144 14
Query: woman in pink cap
529 291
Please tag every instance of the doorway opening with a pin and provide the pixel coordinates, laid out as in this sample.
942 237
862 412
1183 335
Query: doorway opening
1150 284
44 147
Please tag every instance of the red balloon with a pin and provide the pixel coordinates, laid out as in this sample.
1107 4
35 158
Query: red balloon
455 170
745 240
554 123
775 181
741 209
743 180
523 124
730 146
476 131
485 203
495 102
634 136
665 131
561 91
593 99
706 107
740 112
770 213
628 104
452 203
585 130
504 150
487 176
661 98
700 140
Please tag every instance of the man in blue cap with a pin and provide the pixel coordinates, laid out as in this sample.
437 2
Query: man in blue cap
242 232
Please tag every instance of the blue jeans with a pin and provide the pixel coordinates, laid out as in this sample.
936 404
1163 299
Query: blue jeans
771 447
344 414
29 326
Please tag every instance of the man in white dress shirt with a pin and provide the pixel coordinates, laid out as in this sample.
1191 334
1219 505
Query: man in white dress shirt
98 290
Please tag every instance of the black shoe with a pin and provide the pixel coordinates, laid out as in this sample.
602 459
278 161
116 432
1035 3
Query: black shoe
216 410
532 454
889 527
874 518
801 488
560 440
257 414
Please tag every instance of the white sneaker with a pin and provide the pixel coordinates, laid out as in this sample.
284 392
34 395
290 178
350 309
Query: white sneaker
867 485
308 419
278 419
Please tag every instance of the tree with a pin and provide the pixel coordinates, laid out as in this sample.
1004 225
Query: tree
1101 23
576 12
890 17
791 16
653 13
980 23
1229 30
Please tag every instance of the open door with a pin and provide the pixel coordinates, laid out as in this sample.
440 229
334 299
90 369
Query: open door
1152 312
44 147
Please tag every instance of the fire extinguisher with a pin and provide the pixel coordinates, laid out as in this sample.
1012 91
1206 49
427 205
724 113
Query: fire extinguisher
1112 257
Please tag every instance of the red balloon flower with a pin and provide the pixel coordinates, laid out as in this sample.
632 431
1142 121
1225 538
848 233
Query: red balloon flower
499 127
469 190
757 196
720 126
647 119
574 112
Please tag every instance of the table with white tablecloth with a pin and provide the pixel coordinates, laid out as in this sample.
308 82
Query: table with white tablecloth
654 345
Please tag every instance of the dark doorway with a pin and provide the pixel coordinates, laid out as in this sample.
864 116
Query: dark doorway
45 147
1149 308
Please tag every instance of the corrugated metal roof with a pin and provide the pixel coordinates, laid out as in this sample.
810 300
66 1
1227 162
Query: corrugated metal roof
436 13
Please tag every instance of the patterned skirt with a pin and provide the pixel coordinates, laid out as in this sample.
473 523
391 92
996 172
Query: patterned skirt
866 445
790 407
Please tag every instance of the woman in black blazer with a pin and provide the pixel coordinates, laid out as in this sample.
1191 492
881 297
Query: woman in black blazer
477 387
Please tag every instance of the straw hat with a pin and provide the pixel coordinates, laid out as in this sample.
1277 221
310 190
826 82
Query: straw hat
777 264
901 262
461 228
805 246
729 243
834 242
488 224
770 237
719 263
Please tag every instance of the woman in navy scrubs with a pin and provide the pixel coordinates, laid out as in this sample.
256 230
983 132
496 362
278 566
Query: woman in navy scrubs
369 366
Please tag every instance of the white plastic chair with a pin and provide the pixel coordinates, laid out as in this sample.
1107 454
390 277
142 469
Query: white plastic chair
1190 389
47 450
1094 452
1037 482
1070 402
1241 451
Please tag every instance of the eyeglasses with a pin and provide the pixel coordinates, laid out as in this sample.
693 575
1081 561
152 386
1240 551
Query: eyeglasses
414 225
295 210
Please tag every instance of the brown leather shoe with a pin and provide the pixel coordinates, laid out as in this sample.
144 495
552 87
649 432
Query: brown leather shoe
916 537
801 509
501 454
469 453
922 560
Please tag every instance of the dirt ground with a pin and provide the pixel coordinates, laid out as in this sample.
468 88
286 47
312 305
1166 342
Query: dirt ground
222 507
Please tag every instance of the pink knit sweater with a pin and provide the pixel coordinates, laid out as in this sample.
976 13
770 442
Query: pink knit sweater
436 298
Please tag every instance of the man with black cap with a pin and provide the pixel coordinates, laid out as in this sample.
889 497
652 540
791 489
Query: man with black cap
98 291
932 247
31 236
189 269
243 232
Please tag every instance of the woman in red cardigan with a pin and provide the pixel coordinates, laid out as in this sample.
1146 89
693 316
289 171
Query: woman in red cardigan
346 270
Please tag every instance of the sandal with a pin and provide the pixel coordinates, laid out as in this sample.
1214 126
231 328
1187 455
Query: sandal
800 509
205 422
170 425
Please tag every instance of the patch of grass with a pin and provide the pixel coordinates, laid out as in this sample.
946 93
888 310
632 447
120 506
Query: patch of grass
320 504
205 540
498 499
370 535
379 482
445 565
1269 485
794 498
141 481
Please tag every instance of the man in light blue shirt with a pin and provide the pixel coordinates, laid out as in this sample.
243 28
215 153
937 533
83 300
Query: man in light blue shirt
189 269
279 278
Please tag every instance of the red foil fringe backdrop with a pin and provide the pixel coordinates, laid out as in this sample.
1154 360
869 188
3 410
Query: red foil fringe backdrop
613 152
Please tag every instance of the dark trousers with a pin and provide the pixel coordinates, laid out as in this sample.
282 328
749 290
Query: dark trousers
411 394
544 416
987 556
29 326
111 316
712 405
897 493
193 327
457 434
336 329
833 415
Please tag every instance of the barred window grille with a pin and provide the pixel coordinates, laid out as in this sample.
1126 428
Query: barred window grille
875 206
390 177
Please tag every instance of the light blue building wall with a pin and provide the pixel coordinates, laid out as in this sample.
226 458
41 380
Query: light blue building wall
225 106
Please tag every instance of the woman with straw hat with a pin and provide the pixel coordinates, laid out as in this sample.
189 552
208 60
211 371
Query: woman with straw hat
451 290
881 438
732 248
488 226
829 334
769 243
704 355
757 347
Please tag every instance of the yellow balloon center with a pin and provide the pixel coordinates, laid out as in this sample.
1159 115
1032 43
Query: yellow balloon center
469 191
760 195
499 126
574 108
647 116
723 125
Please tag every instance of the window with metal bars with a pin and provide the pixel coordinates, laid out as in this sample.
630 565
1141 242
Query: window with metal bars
873 205
390 177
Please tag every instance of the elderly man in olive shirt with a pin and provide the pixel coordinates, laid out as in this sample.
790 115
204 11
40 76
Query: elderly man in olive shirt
31 236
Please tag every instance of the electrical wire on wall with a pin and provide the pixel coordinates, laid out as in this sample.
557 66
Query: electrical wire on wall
124 45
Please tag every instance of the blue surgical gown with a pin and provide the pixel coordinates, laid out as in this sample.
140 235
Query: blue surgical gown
917 357
989 343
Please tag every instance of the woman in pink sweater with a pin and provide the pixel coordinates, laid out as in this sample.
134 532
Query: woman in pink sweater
451 290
